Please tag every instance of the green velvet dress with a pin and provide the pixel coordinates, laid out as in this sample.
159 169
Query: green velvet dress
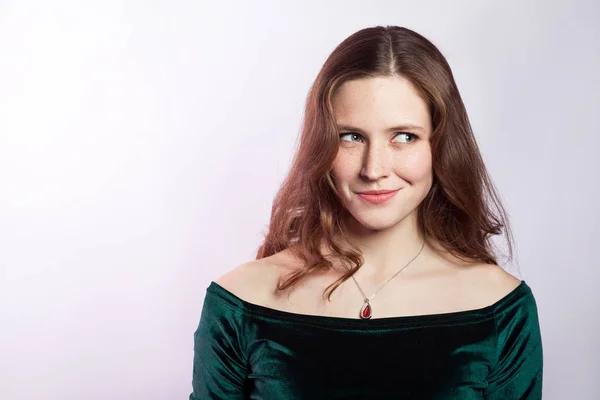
247 351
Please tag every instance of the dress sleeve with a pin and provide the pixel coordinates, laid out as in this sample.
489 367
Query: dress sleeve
518 370
220 365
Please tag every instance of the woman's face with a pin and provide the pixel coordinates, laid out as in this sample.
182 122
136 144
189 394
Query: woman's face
385 129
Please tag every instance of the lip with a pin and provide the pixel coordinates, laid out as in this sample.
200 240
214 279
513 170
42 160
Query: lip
378 191
380 196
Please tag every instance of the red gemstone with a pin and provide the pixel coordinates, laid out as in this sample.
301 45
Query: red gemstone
365 311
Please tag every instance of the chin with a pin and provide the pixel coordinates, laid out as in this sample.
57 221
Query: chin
378 223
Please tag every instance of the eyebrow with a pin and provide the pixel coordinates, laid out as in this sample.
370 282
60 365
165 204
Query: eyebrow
403 127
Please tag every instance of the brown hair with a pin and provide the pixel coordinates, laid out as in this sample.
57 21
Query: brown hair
456 212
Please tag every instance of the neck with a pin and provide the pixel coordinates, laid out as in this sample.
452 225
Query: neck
386 251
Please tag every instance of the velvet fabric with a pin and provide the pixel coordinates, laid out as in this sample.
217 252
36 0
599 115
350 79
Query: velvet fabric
247 351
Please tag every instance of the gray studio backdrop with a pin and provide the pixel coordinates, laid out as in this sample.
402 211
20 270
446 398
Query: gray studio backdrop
141 144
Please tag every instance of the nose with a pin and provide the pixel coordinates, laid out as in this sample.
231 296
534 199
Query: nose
376 164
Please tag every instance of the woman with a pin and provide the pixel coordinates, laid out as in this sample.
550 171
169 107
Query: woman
388 195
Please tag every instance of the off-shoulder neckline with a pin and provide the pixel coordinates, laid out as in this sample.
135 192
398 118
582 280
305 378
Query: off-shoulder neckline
454 317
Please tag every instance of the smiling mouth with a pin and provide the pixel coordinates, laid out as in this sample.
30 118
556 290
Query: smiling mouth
375 192
380 197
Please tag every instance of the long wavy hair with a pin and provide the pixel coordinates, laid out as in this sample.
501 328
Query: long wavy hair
462 209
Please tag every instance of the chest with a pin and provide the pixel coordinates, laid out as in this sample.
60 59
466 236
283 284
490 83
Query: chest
397 299
446 360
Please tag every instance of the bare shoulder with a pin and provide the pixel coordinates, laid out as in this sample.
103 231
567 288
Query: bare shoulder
490 282
246 281
254 281
478 283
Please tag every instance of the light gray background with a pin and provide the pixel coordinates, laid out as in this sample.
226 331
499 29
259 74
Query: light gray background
142 142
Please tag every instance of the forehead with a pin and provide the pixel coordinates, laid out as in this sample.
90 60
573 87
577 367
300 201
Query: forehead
377 102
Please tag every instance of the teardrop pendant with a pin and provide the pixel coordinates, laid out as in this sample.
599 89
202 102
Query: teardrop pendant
365 311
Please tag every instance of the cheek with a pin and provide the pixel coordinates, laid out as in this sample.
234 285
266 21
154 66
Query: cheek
414 166
343 168
417 165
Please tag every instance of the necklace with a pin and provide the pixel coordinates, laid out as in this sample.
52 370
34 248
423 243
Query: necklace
366 312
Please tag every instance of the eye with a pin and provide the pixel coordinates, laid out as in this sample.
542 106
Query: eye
411 137
351 134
